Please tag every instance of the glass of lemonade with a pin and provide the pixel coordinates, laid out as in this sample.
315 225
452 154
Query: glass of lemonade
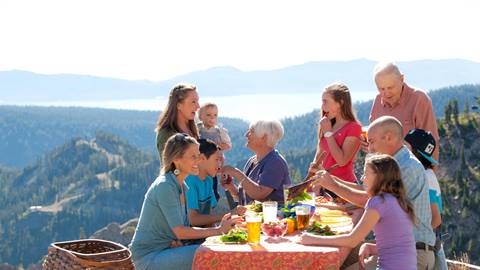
269 210
303 216
254 222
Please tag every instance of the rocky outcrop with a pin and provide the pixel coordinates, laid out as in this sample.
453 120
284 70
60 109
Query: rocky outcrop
115 232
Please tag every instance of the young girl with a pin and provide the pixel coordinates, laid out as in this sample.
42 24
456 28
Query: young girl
338 133
387 212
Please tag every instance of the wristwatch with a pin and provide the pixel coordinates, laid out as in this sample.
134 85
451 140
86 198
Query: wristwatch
328 134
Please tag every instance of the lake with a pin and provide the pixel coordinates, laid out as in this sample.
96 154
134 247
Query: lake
247 107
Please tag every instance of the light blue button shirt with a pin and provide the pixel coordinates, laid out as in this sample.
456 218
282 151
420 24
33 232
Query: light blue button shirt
416 185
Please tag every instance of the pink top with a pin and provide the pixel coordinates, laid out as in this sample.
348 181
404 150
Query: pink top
351 129
413 111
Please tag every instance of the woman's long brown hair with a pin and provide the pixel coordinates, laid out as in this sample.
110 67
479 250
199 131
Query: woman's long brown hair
389 180
168 118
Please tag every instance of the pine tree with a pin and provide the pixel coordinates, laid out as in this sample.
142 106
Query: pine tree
466 108
455 110
448 113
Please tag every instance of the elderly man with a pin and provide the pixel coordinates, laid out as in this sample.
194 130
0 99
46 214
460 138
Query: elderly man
266 172
385 135
411 106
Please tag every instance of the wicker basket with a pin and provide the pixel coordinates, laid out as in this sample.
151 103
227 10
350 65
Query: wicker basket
88 254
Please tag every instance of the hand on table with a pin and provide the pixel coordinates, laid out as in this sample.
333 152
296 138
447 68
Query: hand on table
308 239
228 222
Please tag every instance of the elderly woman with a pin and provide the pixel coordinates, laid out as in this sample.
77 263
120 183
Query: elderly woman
164 222
266 172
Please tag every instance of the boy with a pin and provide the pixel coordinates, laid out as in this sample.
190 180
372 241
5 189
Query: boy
423 146
199 188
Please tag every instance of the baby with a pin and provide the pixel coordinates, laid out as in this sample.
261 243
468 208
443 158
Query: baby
209 128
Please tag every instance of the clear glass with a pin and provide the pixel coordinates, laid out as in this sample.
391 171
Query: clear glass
269 210
303 216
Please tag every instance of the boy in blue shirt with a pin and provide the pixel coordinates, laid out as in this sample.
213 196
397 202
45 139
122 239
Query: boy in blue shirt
199 188
423 145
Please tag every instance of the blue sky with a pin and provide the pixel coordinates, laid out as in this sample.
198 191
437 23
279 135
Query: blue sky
158 40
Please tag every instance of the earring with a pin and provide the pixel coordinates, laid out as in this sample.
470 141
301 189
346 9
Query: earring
176 172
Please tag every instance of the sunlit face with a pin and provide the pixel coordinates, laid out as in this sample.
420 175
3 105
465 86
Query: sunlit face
330 107
189 106
376 141
253 142
209 116
212 164
390 88
369 178
188 163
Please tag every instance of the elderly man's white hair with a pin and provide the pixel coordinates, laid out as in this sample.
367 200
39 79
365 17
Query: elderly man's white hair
384 68
272 128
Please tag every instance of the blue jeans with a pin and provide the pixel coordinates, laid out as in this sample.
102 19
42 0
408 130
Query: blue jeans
179 258
440 260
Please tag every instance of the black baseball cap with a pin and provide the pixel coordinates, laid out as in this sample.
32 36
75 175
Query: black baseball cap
423 142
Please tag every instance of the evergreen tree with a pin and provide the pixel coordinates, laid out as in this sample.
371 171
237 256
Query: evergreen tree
466 108
455 110
448 113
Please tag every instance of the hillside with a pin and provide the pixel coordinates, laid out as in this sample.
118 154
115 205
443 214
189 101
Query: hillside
29 132
86 184
75 190
459 178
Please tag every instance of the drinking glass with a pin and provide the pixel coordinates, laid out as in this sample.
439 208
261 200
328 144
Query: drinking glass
269 210
253 228
303 216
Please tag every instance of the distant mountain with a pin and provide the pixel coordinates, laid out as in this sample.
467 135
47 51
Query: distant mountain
18 87
29 132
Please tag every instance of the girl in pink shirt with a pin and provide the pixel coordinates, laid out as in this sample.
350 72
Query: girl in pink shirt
338 133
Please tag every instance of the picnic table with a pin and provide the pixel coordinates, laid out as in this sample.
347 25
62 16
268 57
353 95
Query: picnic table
270 253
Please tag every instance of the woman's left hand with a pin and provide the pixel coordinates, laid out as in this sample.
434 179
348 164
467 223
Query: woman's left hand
325 124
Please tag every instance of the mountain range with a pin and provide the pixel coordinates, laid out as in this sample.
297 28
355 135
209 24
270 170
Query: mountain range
28 132
22 87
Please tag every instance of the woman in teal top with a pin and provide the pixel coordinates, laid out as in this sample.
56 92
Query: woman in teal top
163 219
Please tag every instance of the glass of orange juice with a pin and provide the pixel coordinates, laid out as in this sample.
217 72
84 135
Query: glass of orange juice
364 133
254 221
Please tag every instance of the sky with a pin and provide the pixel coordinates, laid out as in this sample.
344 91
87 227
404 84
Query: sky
158 40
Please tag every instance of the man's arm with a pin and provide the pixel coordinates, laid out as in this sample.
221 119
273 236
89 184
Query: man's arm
352 195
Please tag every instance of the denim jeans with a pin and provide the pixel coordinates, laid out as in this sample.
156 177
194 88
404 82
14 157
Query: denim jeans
179 258
440 260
